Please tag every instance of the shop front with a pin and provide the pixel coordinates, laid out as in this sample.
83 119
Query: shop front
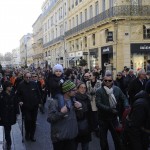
93 58
107 58
140 53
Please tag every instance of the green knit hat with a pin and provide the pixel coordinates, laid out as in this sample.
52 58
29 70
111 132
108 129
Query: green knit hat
67 86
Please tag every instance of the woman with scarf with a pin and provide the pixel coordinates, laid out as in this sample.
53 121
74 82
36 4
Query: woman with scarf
83 117
108 100
92 85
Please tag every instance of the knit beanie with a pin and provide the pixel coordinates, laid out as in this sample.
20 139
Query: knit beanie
147 87
58 67
67 86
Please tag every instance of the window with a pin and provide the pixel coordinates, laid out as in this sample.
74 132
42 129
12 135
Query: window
91 11
146 31
103 5
96 8
77 19
56 17
76 2
51 20
111 3
45 54
93 39
80 17
85 14
85 41
73 22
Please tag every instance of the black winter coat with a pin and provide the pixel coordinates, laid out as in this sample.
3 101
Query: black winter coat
54 85
29 94
138 122
84 113
9 108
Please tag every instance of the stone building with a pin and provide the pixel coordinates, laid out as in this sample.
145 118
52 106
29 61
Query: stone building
100 31
38 60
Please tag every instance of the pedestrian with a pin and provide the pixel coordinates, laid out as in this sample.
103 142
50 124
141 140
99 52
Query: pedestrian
30 100
64 128
137 127
9 109
137 85
83 117
54 84
92 85
108 100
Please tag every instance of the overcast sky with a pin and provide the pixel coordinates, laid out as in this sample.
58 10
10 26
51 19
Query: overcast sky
16 20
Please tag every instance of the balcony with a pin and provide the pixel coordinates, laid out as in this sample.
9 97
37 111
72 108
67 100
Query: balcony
56 40
118 11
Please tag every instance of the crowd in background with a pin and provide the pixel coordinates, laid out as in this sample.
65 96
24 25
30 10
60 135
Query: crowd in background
83 102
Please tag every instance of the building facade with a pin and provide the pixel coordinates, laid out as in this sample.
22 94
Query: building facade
16 57
54 26
103 31
26 49
38 60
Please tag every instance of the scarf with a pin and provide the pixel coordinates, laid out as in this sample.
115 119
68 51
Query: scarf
112 99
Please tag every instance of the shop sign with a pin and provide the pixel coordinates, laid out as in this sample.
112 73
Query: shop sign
93 51
107 49
140 47
85 53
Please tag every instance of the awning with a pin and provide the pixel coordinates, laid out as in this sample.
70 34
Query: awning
70 58
76 58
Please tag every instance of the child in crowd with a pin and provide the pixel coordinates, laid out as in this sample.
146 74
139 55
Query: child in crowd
54 84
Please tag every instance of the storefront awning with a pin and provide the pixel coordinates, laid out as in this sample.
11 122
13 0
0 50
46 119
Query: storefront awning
76 58
70 58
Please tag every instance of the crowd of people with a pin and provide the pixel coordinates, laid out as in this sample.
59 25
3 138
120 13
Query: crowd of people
83 103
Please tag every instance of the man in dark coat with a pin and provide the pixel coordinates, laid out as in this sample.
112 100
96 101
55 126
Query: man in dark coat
137 126
109 99
29 99
137 85
8 110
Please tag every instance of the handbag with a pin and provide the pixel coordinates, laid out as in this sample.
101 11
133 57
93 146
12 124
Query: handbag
83 127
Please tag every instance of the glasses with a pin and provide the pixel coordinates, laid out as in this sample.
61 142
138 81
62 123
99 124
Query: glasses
34 76
86 76
107 80
28 77
118 75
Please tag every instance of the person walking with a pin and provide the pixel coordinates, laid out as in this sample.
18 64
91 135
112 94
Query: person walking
108 100
30 100
64 128
83 117
9 109
137 128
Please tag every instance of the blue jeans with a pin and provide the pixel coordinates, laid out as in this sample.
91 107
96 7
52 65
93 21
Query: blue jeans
60 100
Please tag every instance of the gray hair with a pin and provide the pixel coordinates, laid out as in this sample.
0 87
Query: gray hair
141 71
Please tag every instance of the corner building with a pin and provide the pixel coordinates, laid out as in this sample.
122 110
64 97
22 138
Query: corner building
109 30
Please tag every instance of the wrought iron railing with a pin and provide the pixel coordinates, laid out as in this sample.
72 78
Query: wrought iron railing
118 11
60 38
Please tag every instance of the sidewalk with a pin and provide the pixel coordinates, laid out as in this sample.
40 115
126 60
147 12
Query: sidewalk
17 138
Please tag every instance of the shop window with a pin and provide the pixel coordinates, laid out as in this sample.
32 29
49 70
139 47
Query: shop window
146 31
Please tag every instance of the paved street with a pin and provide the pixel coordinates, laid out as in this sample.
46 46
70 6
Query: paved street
43 137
